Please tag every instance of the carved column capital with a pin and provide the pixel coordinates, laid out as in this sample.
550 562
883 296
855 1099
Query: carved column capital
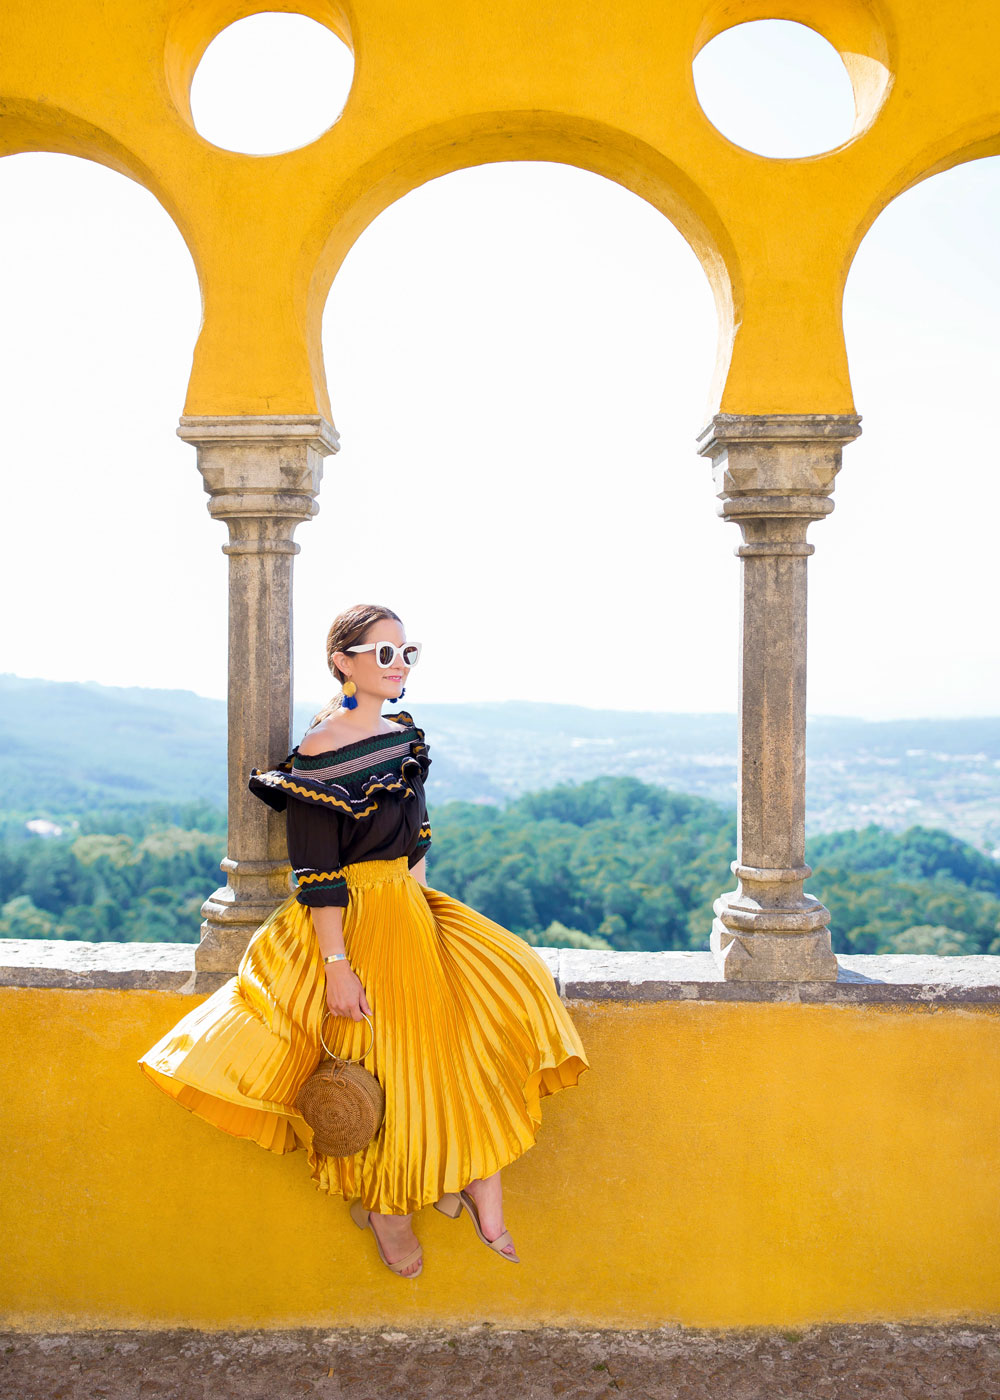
262 474
774 474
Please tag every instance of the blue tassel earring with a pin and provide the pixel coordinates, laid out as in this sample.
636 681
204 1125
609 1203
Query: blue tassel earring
394 698
349 702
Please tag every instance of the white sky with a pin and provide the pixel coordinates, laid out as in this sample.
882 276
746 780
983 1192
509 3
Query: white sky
519 359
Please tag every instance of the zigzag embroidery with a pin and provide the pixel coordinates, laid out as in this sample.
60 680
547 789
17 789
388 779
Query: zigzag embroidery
326 875
336 801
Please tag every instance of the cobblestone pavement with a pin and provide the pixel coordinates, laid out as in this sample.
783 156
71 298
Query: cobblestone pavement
883 1362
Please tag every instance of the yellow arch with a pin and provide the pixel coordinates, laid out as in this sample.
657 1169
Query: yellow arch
538 136
440 85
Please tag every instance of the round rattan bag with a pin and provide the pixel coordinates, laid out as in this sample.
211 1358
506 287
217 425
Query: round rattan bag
342 1102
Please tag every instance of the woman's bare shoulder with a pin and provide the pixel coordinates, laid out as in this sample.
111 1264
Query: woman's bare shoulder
332 733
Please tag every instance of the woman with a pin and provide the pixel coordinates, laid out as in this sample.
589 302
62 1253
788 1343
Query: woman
467 1029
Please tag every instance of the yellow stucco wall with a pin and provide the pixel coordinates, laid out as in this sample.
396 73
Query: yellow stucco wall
443 84
722 1164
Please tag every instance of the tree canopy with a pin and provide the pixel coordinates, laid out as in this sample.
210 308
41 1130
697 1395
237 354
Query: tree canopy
611 862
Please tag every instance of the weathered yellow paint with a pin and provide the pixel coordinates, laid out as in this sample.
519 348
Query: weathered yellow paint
723 1164
444 84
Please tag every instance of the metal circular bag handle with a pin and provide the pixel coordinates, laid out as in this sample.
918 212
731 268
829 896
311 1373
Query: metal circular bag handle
326 1047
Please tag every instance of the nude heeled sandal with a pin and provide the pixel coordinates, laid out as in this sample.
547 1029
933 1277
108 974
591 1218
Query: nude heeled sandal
452 1205
362 1219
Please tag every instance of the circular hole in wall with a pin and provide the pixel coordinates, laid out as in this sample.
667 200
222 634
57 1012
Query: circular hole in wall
776 88
270 83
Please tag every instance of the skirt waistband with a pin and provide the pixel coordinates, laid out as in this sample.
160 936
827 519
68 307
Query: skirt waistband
372 872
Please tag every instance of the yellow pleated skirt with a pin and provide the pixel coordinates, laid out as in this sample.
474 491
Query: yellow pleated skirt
469 1036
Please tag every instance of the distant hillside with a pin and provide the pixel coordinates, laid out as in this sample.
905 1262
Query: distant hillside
68 745
937 772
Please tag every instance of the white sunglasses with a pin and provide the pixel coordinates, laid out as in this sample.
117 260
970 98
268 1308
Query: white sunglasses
386 652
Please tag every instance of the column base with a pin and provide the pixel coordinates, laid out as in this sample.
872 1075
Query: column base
773 957
232 917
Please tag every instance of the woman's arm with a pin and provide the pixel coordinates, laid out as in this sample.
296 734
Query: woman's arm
345 996
314 853
419 871
328 921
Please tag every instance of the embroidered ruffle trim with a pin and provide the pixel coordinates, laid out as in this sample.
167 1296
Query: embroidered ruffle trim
358 799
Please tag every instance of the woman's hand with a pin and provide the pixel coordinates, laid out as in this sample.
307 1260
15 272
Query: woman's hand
345 996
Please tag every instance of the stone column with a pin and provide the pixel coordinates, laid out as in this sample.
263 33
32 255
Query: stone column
262 475
773 475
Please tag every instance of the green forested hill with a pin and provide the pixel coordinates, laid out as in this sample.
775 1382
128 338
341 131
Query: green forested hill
132 874
639 867
636 865
916 891
612 862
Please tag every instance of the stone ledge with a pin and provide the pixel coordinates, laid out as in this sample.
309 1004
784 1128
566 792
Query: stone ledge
695 976
57 962
580 974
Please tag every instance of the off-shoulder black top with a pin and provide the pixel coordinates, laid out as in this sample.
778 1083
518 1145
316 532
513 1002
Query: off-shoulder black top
363 801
